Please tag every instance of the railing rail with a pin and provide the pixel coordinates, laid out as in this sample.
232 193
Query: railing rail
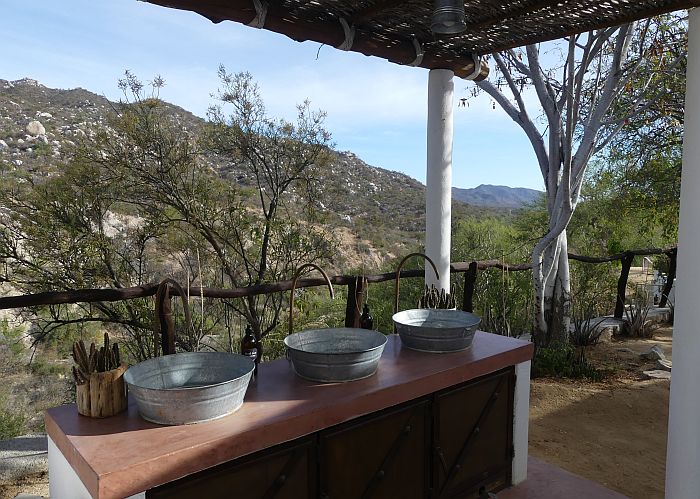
356 285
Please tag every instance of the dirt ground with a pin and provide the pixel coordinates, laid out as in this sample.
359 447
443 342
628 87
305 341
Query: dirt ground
612 432
35 484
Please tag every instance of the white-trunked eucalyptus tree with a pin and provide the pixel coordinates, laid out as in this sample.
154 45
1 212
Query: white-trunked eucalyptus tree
603 80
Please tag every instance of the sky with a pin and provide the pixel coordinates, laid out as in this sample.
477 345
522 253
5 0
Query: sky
376 109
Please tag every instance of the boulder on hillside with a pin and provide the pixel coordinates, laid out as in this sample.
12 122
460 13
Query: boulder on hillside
3 145
35 128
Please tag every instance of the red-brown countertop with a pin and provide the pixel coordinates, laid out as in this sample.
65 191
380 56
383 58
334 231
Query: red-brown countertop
122 455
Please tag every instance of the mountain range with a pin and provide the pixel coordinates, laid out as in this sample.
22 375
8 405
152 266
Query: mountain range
496 196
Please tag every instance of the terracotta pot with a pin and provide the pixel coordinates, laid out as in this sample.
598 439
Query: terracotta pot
103 395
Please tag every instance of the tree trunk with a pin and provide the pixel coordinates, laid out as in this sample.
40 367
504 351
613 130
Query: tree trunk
552 296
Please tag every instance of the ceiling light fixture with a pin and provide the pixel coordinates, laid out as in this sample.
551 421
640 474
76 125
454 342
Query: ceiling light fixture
448 17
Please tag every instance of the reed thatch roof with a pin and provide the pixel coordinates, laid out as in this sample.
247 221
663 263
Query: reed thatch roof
392 29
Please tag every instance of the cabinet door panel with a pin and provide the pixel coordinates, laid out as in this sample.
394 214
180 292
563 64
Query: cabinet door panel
472 433
384 455
286 471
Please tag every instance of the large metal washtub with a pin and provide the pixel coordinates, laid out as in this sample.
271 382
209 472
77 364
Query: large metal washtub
332 355
337 354
436 330
433 330
190 387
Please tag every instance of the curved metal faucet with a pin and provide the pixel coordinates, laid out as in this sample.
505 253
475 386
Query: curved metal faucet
294 285
398 275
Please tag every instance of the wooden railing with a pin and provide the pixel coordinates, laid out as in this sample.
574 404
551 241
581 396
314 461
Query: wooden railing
356 286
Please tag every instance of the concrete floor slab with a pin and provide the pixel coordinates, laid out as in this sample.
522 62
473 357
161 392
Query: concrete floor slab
546 481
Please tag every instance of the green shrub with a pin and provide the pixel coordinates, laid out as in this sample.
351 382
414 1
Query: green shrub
11 425
564 361
42 367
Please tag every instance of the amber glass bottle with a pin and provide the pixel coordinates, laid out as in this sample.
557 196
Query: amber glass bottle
251 347
366 320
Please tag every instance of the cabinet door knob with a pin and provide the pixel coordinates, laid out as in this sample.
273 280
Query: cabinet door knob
280 480
380 474
407 429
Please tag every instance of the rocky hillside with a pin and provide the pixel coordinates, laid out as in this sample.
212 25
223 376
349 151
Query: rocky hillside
375 211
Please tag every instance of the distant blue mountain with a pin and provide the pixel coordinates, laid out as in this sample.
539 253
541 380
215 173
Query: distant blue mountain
498 196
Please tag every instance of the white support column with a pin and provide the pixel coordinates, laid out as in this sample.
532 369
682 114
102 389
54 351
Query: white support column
521 421
683 453
438 192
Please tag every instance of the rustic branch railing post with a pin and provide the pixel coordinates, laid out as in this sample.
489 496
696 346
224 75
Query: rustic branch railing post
167 324
622 283
469 285
672 256
354 304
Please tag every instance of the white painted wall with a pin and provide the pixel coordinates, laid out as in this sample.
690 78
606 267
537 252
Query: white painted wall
64 482
521 421
683 452
438 192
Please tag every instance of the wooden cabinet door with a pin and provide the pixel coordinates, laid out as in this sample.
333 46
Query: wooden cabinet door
472 436
382 455
286 471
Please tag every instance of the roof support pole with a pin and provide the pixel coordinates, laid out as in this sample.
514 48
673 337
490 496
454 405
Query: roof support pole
438 193
683 452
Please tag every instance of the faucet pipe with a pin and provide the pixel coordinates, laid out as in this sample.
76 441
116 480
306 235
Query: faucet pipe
398 275
294 284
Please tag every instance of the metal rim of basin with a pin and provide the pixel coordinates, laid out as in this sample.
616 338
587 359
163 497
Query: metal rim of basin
436 330
333 355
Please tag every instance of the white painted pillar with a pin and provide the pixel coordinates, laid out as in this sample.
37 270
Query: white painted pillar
438 192
521 421
683 452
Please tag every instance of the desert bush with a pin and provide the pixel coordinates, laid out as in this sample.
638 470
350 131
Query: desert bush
41 367
502 299
12 424
565 361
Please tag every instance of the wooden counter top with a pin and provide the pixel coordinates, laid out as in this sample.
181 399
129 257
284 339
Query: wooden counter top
123 455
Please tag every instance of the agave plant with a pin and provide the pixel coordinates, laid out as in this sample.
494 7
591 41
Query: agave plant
636 323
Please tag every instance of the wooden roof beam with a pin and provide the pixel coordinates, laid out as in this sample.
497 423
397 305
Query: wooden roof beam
329 33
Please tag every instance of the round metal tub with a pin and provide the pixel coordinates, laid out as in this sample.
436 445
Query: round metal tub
436 330
336 354
190 387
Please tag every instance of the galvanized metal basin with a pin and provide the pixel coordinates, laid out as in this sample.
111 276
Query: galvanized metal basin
436 330
338 354
190 387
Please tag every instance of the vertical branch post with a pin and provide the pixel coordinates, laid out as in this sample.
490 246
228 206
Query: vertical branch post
469 285
622 284
354 305
167 324
673 257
